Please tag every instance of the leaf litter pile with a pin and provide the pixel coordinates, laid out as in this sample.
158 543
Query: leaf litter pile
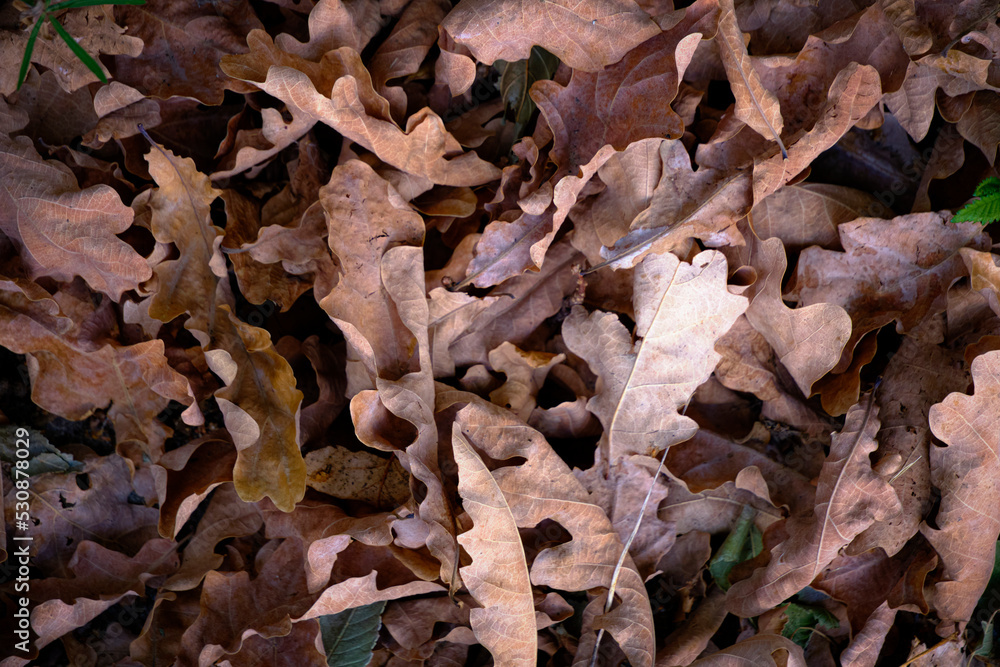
402 333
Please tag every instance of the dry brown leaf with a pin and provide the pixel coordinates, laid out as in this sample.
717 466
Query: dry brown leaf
966 473
917 260
405 48
757 650
586 36
922 372
643 387
341 473
808 341
756 106
627 101
183 45
808 213
849 498
425 150
852 95
96 32
588 560
498 575
63 231
366 217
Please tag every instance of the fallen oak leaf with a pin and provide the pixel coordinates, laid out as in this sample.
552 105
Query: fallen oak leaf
498 575
756 106
681 310
966 472
757 650
850 496
586 36
60 230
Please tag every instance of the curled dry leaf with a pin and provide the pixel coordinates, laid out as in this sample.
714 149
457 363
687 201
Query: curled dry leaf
966 473
849 498
498 575
920 260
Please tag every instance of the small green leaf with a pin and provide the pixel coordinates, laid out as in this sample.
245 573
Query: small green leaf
348 637
802 618
986 208
736 548
516 79
84 57
990 186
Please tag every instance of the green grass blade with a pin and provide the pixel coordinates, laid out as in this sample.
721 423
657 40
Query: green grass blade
73 4
27 53
84 57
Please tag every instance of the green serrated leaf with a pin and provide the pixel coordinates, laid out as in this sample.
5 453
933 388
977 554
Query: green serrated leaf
985 210
735 549
349 637
991 186
516 79
802 618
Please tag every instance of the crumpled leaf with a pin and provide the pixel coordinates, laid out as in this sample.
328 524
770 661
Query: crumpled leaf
644 386
586 36
849 498
967 522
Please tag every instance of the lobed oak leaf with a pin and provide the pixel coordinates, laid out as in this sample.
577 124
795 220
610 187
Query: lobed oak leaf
681 310
627 101
225 517
498 575
405 48
897 269
519 306
425 150
366 217
95 31
260 405
808 341
921 373
336 23
808 214
62 231
588 559
849 498
183 45
965 472
853 93
180 209
120 110
586 36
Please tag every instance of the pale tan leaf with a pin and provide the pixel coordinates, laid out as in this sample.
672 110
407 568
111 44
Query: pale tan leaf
756 106
498 575
63 231
849 498
758 650
967 471
681 310
808 341
588 35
